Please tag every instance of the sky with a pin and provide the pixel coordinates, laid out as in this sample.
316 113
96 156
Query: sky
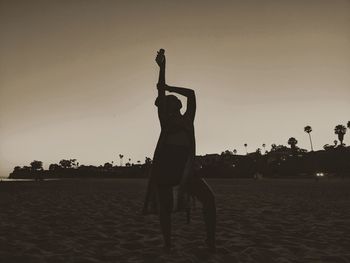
77 78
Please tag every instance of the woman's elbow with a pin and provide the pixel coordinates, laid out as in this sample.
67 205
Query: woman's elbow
191 93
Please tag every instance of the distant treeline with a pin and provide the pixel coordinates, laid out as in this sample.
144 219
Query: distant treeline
280 161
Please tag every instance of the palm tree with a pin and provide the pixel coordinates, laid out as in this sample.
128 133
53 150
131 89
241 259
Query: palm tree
121 159
292 142
308 130
245 145
340 130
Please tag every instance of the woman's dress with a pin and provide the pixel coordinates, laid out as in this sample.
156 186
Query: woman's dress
173 161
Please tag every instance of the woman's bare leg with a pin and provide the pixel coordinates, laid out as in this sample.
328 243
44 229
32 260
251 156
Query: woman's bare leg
205 195
165 209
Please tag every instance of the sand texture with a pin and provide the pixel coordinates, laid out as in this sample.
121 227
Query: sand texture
100 221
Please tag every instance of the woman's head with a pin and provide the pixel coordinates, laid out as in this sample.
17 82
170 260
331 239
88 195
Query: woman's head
172 104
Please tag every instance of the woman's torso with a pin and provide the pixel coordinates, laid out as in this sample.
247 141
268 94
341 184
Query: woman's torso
178 131
174 151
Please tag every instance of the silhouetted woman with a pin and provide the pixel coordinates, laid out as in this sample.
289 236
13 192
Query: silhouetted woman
173 162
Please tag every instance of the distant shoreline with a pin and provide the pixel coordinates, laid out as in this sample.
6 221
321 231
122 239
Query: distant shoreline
283 162
309 177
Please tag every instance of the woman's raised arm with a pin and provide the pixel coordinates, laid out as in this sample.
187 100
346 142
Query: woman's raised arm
160 101
191 99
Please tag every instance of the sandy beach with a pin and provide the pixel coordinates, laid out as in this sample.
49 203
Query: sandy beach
100 220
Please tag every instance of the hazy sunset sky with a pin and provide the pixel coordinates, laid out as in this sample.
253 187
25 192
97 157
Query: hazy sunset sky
77 78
